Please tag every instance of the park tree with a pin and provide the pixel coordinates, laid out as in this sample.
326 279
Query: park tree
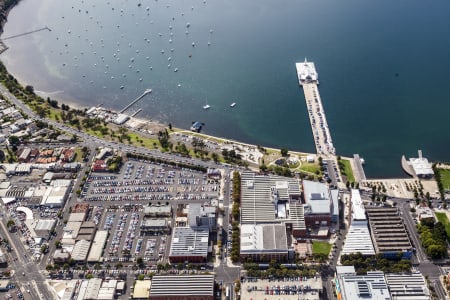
2 156
29 89
14 141
140 261
10 224
44 249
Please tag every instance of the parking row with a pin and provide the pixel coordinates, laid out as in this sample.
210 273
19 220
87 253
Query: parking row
115 183
136 197
137 189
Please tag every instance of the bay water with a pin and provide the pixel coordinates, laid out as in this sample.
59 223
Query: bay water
383 67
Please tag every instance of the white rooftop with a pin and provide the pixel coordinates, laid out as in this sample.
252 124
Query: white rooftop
189 242
358 240
258 203
182 287
358 210
421 166
80 250
340 270
28 212
365 287
263 238
408 286
45 224
317 197
98 245
306 71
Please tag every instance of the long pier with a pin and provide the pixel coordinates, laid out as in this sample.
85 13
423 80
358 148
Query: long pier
147 91
25 33
309 80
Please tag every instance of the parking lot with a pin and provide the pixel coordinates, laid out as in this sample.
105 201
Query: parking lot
19 219
119 202
142 181
331 172
125 242
286 288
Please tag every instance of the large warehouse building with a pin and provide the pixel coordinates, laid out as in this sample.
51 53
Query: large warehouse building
190 287
388 232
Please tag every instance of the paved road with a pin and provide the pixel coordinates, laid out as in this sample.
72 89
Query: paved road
411 227
224 272
330 164
38 288
94 141
426 266
27 273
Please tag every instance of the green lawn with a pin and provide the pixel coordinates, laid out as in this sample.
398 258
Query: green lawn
146 142
78 155
442 217
348 172
54 114
445 178
310 167
321 247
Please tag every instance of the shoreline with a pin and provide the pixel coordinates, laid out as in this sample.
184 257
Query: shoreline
73 103
4 13
137 120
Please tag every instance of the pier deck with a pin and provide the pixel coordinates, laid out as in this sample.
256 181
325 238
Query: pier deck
318 120
309 80
147 91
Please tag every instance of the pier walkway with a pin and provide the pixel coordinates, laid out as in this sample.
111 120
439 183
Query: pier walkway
358 169
147 91
308 79
25 33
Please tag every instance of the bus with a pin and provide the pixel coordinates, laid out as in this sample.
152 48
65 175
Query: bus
227 293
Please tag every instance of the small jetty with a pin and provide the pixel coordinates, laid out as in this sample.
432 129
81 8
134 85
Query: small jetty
135 113
309 80
146 92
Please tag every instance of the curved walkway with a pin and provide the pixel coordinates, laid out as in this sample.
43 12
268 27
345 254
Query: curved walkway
407 167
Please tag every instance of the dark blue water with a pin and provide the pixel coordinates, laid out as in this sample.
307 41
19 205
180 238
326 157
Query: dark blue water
383 67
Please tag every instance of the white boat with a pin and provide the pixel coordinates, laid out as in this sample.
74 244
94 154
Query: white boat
206 106
233 104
